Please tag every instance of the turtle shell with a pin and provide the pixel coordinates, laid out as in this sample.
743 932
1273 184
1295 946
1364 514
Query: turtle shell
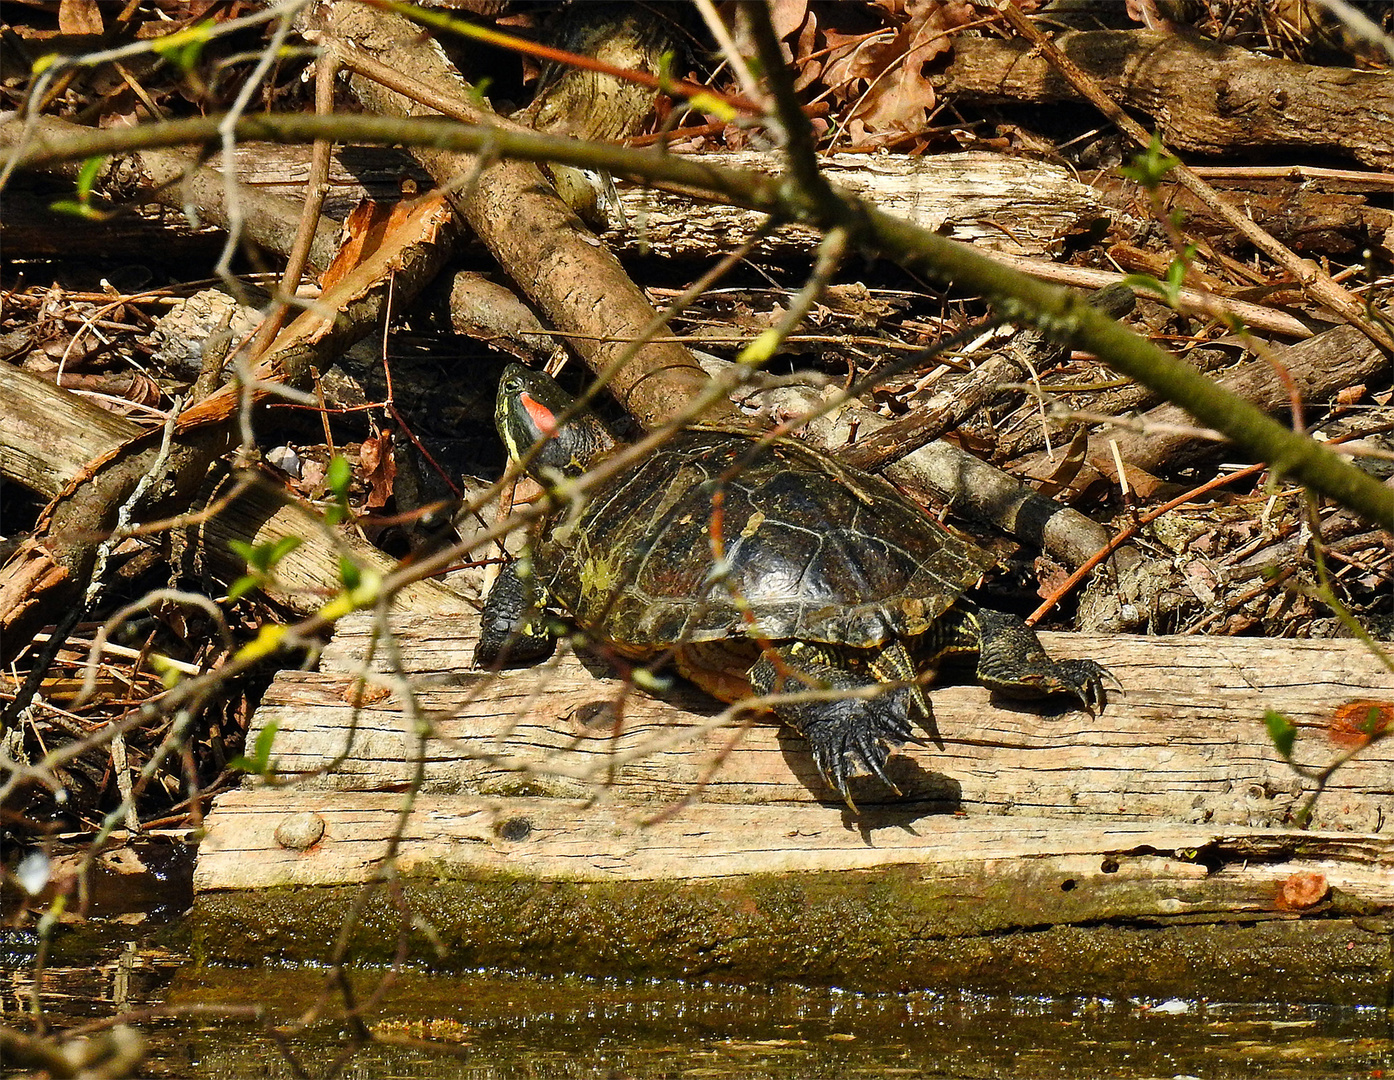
811 550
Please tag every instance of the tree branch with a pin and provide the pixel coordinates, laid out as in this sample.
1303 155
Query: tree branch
1061 313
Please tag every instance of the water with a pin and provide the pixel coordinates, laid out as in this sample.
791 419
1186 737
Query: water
501 1026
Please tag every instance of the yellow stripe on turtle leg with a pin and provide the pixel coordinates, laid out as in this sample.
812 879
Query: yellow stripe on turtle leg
893 664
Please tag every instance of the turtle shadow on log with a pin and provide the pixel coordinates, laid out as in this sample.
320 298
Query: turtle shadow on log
922 793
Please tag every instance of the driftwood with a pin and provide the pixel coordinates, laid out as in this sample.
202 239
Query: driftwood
548 834
1010 204
254 842
1014 205
1184 740
1165 437
1206 97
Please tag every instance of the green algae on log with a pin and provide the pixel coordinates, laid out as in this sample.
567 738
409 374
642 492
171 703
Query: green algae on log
863 931
890 898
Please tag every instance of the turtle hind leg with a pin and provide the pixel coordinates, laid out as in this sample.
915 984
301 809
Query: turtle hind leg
512 627
894 664
1012 660
843 732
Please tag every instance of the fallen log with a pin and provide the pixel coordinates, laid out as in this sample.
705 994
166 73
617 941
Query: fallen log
549 830
733 893
1015 205
1206 97
1183 741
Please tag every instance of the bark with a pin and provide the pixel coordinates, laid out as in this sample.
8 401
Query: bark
1319 216
535 237
1026 350
1206 98
175 180
945 473
487 311
84 510
1025 431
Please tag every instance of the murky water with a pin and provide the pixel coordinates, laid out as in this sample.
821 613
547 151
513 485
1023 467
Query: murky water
501 1026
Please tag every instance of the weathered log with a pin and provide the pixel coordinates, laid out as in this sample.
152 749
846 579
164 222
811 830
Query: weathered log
1026 905
549 832
1206 97
254 841
1010 204
1014 205
1183 741
1319 215
979 197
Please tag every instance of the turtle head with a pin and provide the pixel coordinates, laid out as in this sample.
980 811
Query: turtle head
528 410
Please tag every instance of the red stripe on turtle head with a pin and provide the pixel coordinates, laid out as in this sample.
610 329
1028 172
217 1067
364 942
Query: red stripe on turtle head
543 418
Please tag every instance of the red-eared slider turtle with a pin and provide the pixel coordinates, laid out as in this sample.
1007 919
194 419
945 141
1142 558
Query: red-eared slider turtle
824 579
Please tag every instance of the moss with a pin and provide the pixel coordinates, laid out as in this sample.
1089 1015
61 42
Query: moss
882 930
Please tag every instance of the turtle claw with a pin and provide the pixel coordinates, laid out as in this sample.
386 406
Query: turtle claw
847 732
1085 680
1082 680
857 734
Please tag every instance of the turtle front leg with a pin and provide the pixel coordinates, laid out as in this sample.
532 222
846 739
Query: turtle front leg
1012 660
512 627
843 732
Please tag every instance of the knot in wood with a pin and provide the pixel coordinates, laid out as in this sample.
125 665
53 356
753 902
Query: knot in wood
514 829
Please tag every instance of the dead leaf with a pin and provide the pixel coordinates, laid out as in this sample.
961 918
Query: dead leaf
1354 723
379 469
114 390
1068 468
1050 577
1201 580
79 17
787 16
884 74
311 481
810 66
409 228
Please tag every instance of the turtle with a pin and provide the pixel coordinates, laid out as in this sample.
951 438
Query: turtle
758 566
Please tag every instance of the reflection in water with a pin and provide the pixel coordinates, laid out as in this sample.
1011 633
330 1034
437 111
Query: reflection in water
502 1027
